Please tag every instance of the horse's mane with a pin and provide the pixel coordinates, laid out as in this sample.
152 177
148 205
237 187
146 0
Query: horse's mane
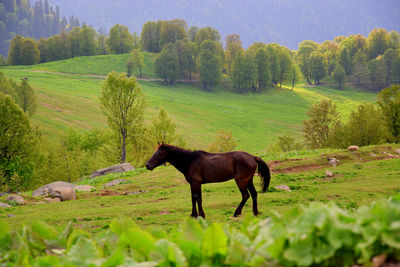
179 152
179 157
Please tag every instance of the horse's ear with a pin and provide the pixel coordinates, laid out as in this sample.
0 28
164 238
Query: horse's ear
162 142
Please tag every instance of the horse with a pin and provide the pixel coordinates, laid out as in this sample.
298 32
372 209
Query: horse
200 167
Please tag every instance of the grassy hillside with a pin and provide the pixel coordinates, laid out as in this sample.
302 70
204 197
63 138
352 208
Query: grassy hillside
161 198
71 100
93 65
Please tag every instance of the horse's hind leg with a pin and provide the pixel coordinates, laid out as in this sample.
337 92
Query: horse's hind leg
253 193
196 197
245 195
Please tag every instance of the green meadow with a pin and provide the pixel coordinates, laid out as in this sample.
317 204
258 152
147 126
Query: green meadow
68 94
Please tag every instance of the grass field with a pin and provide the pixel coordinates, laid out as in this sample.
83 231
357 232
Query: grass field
162 197
70 99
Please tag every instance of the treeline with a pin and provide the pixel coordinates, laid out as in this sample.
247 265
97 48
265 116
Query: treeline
371 62
19 17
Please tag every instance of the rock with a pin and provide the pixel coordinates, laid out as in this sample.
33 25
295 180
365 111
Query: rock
333 162
119 168
283 187
10 215
353 148
17 199
84 188
115 182
64 193
372 155
41 191
398 151
136 192
379 260
4 205
3 194
388 154
50 200
329 174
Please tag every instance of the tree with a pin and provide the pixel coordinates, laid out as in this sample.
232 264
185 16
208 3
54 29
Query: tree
303 54
172 31
210 64
378 42
192 33
262 68
180 53
164 128
75 42
389 58
44 50
272 52
345 60
15 50
339 75
207 33
151 36
389 103
120 40
27 97
394 38
318 66
87 41
136 60
101 45
360 67
166 64
365 126
377 73
233 45
17 146
223 142
285 64
324 118
190 54
122 102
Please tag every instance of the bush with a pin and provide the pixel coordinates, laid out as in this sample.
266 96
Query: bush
365 127
285 144
314 235
323 119
389 103
223 142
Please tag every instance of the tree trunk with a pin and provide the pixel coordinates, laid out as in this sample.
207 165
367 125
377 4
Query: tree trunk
123 146
140 70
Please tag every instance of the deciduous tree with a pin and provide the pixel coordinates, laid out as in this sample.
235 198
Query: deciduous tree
166 63
122 102
120 40
389 103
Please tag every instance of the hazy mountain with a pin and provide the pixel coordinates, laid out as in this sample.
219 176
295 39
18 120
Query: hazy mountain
287 22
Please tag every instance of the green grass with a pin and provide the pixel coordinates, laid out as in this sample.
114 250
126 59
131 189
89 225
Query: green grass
93 65
162 196
256 120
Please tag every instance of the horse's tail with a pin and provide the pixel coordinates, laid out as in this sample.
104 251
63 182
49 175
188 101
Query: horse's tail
264 173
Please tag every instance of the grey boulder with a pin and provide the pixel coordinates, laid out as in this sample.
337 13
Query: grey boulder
119 168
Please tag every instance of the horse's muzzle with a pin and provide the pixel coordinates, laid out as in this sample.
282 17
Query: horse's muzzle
149 167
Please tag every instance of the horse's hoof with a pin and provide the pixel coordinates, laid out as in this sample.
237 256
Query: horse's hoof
236 215
193 215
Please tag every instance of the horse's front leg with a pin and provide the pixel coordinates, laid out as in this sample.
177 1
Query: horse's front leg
196 197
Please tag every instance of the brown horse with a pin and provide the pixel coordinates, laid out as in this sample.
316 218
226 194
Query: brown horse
200 167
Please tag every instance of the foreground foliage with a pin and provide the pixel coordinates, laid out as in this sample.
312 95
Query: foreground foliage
321 234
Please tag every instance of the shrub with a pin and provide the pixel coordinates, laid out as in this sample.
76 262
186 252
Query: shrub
223 142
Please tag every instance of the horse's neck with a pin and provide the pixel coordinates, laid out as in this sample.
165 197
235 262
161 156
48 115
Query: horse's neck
181 159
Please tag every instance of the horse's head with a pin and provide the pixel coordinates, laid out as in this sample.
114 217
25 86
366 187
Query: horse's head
159 157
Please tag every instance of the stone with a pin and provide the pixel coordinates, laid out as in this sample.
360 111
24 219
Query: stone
84 188
43 191
372 155
329 174
333 162
51 200
353 148
398 151
17 199
115 182
388 154
4 205
3 194
64 193
119 168
136 192
283 187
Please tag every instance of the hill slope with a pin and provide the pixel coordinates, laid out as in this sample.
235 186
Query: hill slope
71 100
285 22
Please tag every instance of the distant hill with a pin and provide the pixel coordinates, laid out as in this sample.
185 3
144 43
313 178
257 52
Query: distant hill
286 22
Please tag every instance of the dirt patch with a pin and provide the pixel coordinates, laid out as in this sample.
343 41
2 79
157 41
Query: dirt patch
294 169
